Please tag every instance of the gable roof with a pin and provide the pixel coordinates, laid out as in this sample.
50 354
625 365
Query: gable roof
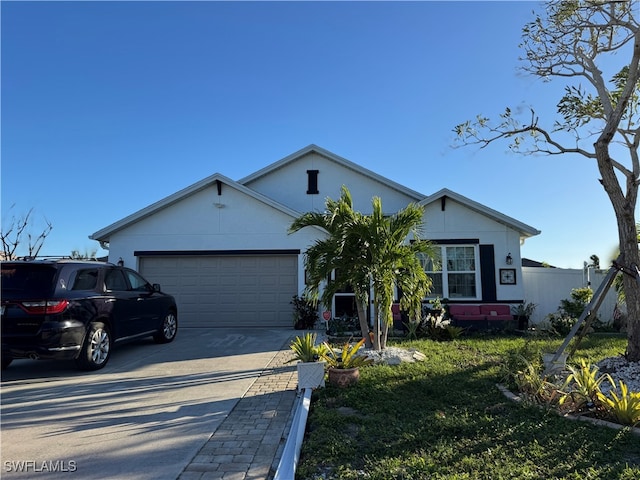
104 234
527 262
416 196
524 229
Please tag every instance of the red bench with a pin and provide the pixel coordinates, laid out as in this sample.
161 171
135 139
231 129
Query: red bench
496 312
480 317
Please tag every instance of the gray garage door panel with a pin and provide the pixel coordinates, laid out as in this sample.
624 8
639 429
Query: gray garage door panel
223 291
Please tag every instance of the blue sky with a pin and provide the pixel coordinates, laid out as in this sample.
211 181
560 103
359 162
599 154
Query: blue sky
108 107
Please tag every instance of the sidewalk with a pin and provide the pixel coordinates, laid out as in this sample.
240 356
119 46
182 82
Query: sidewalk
248 443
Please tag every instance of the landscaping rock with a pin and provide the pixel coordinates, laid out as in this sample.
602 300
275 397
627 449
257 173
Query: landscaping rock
395 360
620 369
419 356
395 356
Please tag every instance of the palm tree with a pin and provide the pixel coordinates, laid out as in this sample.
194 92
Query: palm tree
369 250
335 252
394 262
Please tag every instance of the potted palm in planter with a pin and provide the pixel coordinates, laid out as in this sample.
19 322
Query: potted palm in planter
344 366
522 313
308 354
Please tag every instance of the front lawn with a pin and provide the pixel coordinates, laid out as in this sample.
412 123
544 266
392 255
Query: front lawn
445 418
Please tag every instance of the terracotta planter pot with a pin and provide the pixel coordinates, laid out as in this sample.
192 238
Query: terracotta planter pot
343 377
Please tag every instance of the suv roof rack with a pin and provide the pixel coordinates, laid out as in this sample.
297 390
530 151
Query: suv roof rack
29 258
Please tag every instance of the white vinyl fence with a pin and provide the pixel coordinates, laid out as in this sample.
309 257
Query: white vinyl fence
547 286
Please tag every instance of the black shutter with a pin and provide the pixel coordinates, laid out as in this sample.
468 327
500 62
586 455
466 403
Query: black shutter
488 273
312 182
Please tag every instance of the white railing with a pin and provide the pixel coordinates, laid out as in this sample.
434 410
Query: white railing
291 453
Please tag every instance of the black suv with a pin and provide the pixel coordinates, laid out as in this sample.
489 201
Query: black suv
74 309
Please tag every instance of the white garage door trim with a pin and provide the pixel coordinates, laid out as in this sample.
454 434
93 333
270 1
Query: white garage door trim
232 288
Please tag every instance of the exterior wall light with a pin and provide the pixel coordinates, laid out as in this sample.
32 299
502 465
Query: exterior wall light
121 262
509 259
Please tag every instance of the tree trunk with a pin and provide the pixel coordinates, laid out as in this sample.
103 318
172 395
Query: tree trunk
364 324
631 260
624 206
385 334
376 328
386 323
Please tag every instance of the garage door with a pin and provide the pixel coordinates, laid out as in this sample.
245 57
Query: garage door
228 290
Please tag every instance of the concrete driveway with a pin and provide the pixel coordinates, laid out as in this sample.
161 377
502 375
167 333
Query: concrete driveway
144 416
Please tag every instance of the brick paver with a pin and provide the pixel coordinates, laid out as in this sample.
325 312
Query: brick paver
249 442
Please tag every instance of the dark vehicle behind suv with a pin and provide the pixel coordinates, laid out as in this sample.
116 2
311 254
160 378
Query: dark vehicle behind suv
73 309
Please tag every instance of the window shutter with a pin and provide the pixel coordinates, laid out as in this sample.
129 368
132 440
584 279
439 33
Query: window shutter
488 273
312 182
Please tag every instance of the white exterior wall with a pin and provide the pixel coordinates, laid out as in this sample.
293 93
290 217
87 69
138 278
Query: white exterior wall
239 222
547 286
460 222
331 177
201 220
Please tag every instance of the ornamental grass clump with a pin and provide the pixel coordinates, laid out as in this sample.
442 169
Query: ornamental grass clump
535 387
348 357
624 408
305 348
582 386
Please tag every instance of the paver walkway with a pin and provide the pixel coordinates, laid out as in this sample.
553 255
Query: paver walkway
249 442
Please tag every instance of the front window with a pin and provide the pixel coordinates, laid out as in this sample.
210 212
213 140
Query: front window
453 272
138 283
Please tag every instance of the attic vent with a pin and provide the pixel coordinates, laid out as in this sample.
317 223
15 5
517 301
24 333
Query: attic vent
312 182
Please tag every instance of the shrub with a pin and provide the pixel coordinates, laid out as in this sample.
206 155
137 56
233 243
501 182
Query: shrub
569 311
624 408
305 348
580 298
533 385
582 386
347 357
341 325
560 323
305 313
518 359
433 324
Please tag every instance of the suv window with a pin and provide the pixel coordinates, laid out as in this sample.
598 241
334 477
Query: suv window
114 280
138 283
29 279
85 280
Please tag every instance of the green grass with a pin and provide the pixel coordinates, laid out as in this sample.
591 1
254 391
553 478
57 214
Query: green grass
445 418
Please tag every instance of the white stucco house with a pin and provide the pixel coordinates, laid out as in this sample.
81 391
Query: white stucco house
221 246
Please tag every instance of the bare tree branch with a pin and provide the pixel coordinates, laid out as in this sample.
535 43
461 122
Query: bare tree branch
571 39
13 236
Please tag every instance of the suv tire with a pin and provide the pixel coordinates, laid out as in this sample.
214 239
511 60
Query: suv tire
96 349
168 330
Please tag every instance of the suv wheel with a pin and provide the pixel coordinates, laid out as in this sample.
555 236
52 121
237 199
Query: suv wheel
96 349
168 329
